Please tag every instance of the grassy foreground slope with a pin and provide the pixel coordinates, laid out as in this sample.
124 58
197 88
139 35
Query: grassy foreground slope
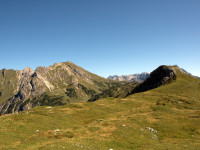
163 118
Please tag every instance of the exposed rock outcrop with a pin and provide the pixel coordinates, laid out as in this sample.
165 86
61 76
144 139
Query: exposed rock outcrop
161 76
28 86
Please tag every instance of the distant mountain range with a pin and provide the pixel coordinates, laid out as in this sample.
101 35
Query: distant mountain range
139 77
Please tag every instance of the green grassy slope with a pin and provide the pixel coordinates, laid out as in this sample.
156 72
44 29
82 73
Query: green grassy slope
163 118
120 90
8 84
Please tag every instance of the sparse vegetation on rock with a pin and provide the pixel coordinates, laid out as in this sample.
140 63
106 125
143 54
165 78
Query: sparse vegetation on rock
59 84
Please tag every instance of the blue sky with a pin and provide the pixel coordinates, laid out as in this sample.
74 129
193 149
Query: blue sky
105 37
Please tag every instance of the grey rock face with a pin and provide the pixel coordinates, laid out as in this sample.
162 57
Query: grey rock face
133 77
54 85
29 86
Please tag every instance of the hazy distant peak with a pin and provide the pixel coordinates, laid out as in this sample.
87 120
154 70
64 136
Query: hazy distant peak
138 77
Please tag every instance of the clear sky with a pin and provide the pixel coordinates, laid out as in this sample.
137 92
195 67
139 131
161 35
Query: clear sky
106 37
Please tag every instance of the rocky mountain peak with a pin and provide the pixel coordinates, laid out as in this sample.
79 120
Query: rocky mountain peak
58 84
28 71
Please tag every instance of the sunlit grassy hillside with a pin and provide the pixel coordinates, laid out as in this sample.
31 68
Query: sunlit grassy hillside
163 118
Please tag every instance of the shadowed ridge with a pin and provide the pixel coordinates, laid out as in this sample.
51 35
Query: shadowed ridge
120 90
160 76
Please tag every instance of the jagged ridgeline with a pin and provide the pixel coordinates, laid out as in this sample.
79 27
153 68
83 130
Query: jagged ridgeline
139 77
59 84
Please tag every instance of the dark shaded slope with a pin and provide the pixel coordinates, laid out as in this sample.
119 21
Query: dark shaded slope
121 90
158 77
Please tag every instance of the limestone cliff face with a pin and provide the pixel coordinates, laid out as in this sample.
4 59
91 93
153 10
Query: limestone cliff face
30 85
27 86
58 84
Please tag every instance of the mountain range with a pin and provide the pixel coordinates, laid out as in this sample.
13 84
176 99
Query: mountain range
58 84
162 112
139 77
64 83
